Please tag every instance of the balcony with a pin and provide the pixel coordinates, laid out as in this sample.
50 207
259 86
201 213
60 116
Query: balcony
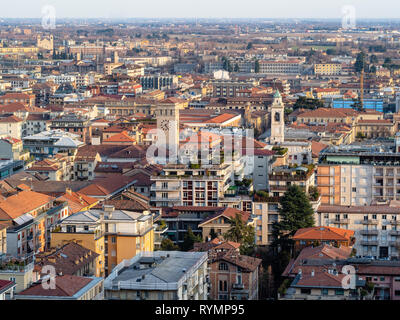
169 188
369 221
340 221
394 233
166 199
394 243
238 286
369 232
395 222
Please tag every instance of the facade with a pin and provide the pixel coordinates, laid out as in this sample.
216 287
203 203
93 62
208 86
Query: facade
230 88
358 176
160 275
72 123
233 276
376 227
328 69
30 217
179 185
49 143
113 234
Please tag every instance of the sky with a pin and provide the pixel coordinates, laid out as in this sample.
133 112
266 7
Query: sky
331 9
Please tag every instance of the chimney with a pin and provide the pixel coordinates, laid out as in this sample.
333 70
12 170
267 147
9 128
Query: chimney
108 209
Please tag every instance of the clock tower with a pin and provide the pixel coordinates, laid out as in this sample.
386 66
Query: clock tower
277 119
168 121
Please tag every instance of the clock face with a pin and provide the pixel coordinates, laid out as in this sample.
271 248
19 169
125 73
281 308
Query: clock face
165 125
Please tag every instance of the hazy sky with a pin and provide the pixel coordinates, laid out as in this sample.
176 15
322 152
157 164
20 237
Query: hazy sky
201 8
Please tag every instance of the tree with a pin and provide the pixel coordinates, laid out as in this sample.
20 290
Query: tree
168 245
357 105
257 66
331 52
241 233
226 64
213 235
296 212
373 59
189 240
308 103
360 62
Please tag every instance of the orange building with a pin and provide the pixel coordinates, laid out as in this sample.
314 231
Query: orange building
306 237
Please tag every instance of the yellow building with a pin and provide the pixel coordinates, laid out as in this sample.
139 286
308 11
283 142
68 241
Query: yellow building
114 234
11 50
3 239
328 69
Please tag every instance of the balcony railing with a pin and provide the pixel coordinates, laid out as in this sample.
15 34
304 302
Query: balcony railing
340 221
369 242
395 222
369 221
394 233
369 232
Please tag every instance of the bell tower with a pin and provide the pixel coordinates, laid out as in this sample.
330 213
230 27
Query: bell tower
168 121
277 119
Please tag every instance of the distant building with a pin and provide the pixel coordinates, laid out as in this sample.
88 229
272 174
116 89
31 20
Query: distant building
67 287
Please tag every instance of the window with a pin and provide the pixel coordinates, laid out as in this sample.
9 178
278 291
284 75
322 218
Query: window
339 292
113 239
223 266
324 292
305 291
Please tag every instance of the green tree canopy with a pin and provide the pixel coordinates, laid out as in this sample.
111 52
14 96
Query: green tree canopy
256 66
308 103
296 212
189 240
241 233
168 245
360 62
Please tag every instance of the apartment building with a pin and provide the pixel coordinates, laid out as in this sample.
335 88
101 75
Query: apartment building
18 271
160 275
71 258
327 69
282 177
72 123
231 88
280 67
376 227
358 175
30 217
49 143
158 82
180 184
24 98
266 213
